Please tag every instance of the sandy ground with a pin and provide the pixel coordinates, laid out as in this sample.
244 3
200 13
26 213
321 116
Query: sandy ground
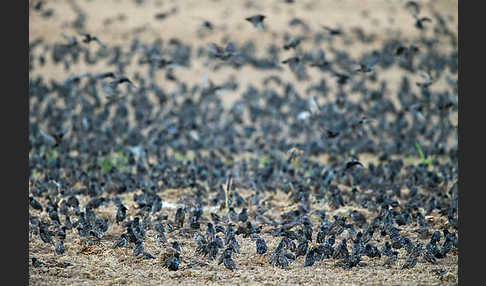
97 264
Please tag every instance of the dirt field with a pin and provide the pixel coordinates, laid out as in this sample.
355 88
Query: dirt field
95 263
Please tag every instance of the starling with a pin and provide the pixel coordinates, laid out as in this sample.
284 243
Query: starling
357 217
408 51
419 22
210 232
227 260
368 64
371 251
410 262
292 62
63 209
121 213
138 248
341 251
435 238
302 248
158 61
292 43
351 163
176 245
257 21
413 6
319 59
60 248
429 257
234 217
333 31
45 234
54 137
35 204
179 217
341 78
105 75
101 225
36 262
160 238
67 223
172 262
218 52
391 260
278 256
120 242
427 79
88 38
261 246
243 215
61 233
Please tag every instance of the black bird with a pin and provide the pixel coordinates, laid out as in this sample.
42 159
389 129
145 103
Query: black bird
121 80
39 5
218 52
172 262
413 6
429 256
332 31
157 61
302 248
179 217
341 78
319 59
408 51
67 223
435 238
55 137
105 75
261 246
419 22
53 215
293 62
138 248
367 65
341 251
427 79
36 262
352 163
45 234
88 38
310 258
331 134
120 242
121 213
257 21
35 204
60 248
111 88
292 43
371 251
243 215
357 216
227 260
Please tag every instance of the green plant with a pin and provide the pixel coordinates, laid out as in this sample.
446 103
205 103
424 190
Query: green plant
114 160
429 160
226 193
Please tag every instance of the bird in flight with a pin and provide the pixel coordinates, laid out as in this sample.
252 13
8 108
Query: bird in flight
257 21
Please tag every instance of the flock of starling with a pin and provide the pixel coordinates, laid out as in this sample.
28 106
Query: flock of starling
77 125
